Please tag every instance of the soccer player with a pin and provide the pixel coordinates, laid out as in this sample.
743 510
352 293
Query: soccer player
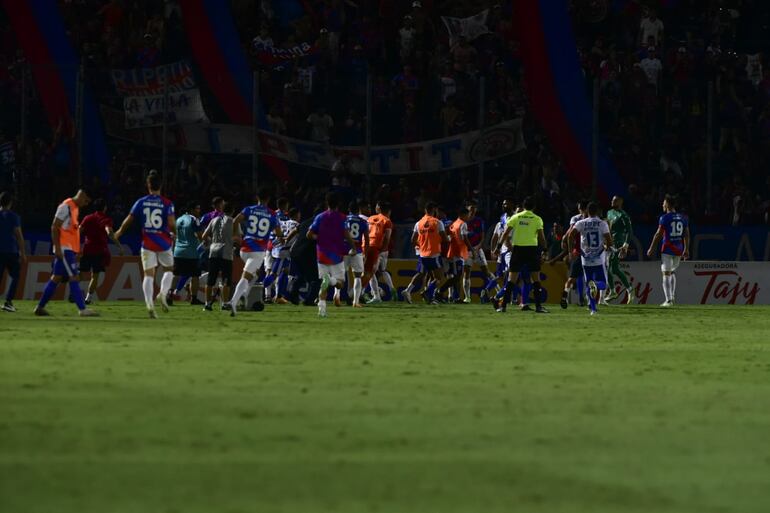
504 257
528 237
380 228
259 221
329 232
97 231
476 234
576 263
594 240
186 263
620 230
155 214
12 252
280 253
674 230
219 234
381 273
65 238
358 228
273 265
429 235
460 247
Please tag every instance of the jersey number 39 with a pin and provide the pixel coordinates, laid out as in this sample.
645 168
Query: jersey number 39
259 226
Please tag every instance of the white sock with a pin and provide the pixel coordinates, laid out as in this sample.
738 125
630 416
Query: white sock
165 282
375 287
321 303
467 287
666 281
240 291
147 288
388 281
672 287
409 288
337 293
357 288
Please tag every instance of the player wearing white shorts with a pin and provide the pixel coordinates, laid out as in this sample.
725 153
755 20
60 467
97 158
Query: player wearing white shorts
280 259
674 231
259 222
156 218
358 228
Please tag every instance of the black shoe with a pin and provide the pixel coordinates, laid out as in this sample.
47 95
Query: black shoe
541 309
170 298
563 302
196 301
258 306
226 307
526 308
207 307
87 301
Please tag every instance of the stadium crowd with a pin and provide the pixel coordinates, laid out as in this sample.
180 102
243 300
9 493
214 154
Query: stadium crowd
652 63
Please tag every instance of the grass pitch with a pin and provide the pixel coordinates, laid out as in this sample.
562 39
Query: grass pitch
392 409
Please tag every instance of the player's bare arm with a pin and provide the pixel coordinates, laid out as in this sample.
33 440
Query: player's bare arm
124 226
506 235
56 237
655 241
386 238
312 235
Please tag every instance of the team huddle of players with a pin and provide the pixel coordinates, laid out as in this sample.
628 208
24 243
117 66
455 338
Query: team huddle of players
354 243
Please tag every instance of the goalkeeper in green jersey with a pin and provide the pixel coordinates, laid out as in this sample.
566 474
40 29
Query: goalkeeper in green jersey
620 229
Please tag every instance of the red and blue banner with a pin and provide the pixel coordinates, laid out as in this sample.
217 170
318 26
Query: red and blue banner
42 36
557 90
217 48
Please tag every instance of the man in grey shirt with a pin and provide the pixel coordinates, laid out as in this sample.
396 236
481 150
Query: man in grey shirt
220 234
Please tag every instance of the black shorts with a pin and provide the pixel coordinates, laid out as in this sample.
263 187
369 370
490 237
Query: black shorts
576 268
525 258
94 263
10 262
220 266
186 267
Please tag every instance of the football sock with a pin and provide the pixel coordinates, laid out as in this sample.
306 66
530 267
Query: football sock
491 283
77 294
337 293
357 288
666 292
388 279
375 288
467 287
182 282
538 293
431 289
283 282
269 279
507 292
581 289
526 289
11 293
240 291
48 292
165 282
672 287
147 288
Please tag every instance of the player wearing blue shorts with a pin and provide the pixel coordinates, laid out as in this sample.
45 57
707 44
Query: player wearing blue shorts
65 237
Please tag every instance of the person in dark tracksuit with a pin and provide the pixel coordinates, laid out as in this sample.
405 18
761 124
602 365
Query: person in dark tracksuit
12 252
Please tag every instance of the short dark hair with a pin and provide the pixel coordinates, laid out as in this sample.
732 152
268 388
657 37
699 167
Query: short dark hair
216 201
6 198
431 205
263 194
332 200
353 206
581 205
528 203
593 209
153 180
384 206
99 204
671 200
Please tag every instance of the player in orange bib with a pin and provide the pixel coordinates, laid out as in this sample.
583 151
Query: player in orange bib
380 229
460 248
427 236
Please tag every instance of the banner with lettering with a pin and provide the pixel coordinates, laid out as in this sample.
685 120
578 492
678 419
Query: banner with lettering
420 157
470 28
698 283
144 95
276 57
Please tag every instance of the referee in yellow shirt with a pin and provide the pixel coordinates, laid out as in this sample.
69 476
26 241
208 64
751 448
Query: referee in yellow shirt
528 239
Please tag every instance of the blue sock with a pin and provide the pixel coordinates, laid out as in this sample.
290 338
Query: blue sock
431 289
491 283
182 282
525 291
48 292
269 280
501 292
283 283
581 289
591 302
77 294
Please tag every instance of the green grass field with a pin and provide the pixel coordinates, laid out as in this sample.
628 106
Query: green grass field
392 409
